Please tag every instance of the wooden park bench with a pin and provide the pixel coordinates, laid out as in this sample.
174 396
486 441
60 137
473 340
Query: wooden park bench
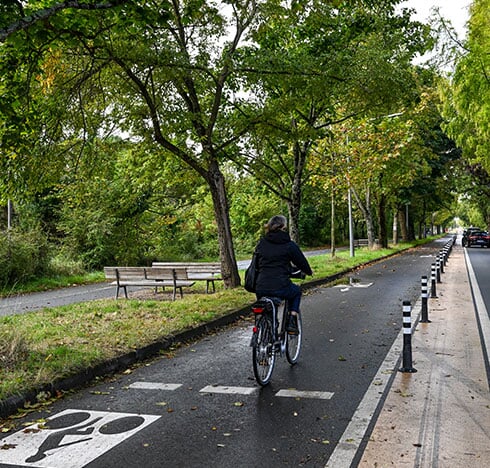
122 277
360 243
197 271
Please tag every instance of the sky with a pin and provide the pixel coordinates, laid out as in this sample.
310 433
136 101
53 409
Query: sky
457 11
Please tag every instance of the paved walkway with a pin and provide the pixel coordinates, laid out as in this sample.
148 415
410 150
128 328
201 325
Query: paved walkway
439 417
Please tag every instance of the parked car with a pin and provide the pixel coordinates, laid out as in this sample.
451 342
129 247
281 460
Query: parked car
466 233
481 238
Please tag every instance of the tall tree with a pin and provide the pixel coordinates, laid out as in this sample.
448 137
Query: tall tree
467 98
163 71
321 63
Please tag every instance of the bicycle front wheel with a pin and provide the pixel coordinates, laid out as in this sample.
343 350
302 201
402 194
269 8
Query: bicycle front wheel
263 352
293 343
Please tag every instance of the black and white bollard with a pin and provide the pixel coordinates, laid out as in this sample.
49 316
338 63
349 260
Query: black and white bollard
438 269
441 261
424 295
407 338
433 290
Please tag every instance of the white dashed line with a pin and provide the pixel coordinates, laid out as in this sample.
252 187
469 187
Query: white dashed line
291 393
229 390
154 386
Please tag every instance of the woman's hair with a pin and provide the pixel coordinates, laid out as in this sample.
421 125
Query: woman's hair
276 223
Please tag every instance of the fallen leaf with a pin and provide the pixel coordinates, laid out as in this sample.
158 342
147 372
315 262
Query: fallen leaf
31 431
7 446
238 403
342 358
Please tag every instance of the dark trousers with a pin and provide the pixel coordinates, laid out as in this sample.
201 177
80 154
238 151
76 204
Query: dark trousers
292 294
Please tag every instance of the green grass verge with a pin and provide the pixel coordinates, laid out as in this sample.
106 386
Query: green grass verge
40 347
53 282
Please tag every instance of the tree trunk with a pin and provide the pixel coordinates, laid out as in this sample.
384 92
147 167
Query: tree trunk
229 268
403 225
294 204
383 234
395 227
366 212
332 225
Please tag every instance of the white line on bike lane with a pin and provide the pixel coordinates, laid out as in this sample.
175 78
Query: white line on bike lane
351 439
231 390
291 393
154 386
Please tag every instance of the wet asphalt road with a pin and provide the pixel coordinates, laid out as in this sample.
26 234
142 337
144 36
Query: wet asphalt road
201 406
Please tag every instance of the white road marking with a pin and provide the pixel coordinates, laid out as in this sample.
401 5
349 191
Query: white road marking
482 312
154 386
71 438
351 439
291 393
229 390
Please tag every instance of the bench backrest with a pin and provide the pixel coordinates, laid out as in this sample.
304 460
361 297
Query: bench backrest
166 273
128 273
213 268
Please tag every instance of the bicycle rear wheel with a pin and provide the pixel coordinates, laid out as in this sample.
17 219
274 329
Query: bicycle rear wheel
293 343
263 352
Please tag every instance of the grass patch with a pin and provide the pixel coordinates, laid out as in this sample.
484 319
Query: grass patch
53 282
40 347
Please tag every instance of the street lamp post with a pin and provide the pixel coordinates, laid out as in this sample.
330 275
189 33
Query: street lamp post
351 227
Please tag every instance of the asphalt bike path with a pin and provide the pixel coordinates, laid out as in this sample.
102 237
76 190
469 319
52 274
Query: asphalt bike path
199 405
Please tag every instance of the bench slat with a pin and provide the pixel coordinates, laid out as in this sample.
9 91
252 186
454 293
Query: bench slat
142 276
198 271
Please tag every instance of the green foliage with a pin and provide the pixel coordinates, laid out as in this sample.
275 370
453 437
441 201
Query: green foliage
467 98
23 256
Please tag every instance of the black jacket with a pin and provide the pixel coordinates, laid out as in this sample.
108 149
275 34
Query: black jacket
276 252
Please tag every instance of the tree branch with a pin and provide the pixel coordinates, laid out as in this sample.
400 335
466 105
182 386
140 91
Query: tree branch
40 15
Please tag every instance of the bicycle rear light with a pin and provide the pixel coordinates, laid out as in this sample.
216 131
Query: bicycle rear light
258 310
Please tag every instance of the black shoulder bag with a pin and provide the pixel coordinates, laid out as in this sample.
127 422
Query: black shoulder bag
251 273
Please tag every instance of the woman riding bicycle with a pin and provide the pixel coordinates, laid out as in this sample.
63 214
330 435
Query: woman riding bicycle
277 254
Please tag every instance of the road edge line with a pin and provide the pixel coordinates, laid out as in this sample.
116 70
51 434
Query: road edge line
372 402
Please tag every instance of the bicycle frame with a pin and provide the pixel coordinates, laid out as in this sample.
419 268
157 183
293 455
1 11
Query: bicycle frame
269 337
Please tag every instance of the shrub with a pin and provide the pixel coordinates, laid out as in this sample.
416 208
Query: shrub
23 256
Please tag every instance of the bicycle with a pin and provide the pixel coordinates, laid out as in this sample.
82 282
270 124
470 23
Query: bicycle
270 337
